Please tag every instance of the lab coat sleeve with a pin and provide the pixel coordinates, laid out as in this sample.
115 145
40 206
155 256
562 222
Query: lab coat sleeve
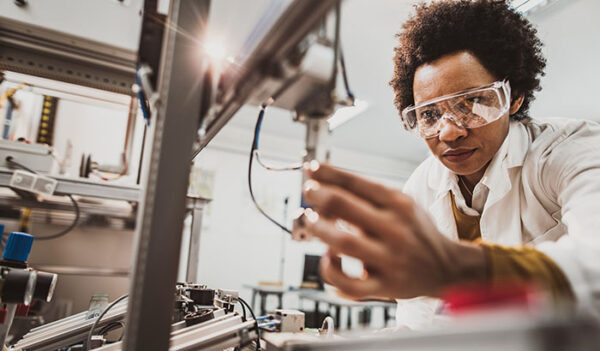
570 174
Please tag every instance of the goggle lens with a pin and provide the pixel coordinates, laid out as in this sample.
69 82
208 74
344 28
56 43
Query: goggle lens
472 109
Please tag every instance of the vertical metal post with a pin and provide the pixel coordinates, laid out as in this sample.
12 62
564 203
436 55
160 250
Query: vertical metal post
196 205
165 180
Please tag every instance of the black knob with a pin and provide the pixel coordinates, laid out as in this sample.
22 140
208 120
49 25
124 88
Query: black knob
44 286
17 286
20 3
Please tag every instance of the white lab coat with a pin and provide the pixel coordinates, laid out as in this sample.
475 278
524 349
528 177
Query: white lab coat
543 190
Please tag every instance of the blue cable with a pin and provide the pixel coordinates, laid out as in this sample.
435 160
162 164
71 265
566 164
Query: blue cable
142 98
257 128
269 324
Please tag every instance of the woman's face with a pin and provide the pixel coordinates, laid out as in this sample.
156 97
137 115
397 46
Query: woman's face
465 152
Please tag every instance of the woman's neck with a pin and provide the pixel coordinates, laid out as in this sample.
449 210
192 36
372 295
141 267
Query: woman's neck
468 182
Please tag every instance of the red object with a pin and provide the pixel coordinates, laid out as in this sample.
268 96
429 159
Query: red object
3 313
481 297
22 310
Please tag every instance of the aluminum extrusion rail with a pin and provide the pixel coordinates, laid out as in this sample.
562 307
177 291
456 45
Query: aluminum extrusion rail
84 187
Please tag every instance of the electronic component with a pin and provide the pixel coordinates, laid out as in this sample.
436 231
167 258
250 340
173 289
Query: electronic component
227 299
290 321
33 183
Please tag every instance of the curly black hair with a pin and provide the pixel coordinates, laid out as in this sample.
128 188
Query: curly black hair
503 40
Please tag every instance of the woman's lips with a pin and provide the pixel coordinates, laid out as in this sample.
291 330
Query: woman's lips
459 156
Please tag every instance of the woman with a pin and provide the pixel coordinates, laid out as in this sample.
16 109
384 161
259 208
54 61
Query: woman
502 197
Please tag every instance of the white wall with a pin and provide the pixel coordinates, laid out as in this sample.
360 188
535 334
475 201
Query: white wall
238 245
570 30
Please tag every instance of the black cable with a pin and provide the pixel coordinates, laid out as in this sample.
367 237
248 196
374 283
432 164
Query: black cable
88 340
345 77
139 175
244 311
12 161
255 321
113 326
69 228
254 147
336 44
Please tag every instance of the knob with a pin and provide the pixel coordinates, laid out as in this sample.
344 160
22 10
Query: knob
18 247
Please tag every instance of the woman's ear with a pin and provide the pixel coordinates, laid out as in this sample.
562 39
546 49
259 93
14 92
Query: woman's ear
516 103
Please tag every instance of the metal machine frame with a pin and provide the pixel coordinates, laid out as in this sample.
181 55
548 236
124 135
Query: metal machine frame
178 115
168 169
160 219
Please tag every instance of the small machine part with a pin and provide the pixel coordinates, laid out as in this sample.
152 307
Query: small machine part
202 296
198 317
290 321
18 282
328 327
45 285
98 303
34 183
17 285
38 157
226 299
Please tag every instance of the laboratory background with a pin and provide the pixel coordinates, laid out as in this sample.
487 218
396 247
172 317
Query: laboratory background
143 206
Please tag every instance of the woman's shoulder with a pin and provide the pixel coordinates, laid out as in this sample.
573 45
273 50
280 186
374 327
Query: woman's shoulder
549 133
559 148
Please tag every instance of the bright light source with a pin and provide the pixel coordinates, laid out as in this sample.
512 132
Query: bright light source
345 114
214 49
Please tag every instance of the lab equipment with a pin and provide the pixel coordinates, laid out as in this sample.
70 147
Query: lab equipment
19 283
197 323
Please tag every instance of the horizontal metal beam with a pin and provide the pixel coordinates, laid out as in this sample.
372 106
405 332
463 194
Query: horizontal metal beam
42 52
85 187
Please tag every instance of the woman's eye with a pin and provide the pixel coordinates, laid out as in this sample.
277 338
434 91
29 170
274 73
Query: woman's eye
478 100
429 115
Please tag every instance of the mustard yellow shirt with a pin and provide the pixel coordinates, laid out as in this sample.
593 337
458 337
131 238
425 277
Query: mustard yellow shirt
508 263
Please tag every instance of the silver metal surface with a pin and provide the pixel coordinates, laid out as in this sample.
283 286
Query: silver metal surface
37 157
66 331
85 271
196 206
299 19
85 207
40 51
221 333
85 187
86 19
317 140
165 180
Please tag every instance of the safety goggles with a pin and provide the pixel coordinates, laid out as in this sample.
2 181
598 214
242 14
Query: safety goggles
472 108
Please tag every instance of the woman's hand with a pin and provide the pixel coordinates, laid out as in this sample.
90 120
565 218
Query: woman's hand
403 253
